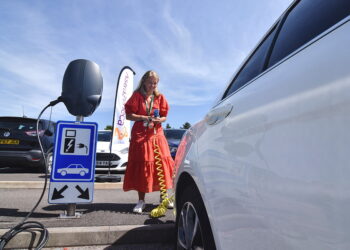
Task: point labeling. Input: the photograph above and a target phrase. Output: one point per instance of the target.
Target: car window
(104, 135)
(25, 126)
(20, 125)
(174, 134)
(254, 66)
(306, 20)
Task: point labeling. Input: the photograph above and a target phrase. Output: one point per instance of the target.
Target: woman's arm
(135, 117)
(159, 119)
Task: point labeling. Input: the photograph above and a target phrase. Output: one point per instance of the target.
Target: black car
(173, 137)
(19, 146)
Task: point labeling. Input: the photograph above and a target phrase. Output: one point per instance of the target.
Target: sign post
(73, 166)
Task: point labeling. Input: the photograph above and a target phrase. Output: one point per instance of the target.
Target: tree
(167, 126)
(186, 125)
(108, 127)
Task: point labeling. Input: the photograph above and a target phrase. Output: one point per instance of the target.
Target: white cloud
(195, 58)
(181, 58)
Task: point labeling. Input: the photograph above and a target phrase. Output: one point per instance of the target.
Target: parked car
(73, 169)
(19, 146)
(173, 137)
(116, 160)
(268, 166)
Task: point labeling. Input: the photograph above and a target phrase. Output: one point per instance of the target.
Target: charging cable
(23, 225)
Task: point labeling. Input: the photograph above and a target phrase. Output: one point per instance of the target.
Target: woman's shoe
(139, 207)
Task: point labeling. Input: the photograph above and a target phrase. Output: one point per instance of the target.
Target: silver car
(268, 167)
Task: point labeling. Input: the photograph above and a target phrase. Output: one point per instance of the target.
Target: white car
(73, 169)
(269, 165)
(116, 160)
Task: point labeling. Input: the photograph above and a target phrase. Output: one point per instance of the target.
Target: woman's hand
(136, 118)
(157, 119)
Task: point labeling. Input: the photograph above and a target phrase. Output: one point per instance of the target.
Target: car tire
(63, 173)
(193, 229)
(82, 173)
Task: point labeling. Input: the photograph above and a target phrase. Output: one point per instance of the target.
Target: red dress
(141, 172)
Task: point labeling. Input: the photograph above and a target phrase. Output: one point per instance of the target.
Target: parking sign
(73, 166)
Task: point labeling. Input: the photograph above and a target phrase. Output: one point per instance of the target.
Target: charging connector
(58, 100)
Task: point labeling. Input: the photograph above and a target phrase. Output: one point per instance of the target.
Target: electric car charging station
(74, 159)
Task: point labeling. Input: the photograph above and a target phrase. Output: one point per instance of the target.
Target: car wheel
(192, 223)
(82, 173)
(63, 173)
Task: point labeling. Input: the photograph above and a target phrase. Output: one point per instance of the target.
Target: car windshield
(174, 133)
(19, 125)
(104, 135)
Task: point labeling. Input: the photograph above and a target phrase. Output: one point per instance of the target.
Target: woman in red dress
(141, 172)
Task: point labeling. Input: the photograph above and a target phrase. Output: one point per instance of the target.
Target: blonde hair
(147, 75)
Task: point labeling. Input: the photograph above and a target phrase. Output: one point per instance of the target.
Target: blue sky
(194, 45)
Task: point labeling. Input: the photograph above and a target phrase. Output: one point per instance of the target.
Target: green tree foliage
(108, 127)
(186, 125)
(167, 125)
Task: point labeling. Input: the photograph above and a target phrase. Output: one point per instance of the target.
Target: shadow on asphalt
(157, 221)
(12, 212)
(166, 238)
(54, 210)
(141, 247)
(122, 208)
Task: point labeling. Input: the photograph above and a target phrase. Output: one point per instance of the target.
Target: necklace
(148, 110)
(150, 106)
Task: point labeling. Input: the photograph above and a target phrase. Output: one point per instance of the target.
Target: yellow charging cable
(163, 206)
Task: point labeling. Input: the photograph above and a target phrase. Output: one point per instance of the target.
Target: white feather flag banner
(121, 126)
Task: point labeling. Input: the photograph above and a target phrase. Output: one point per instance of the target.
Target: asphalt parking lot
(109, 215)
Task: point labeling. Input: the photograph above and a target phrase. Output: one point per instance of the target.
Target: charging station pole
(71, 207)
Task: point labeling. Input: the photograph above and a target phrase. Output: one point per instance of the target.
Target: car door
(274, 152)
